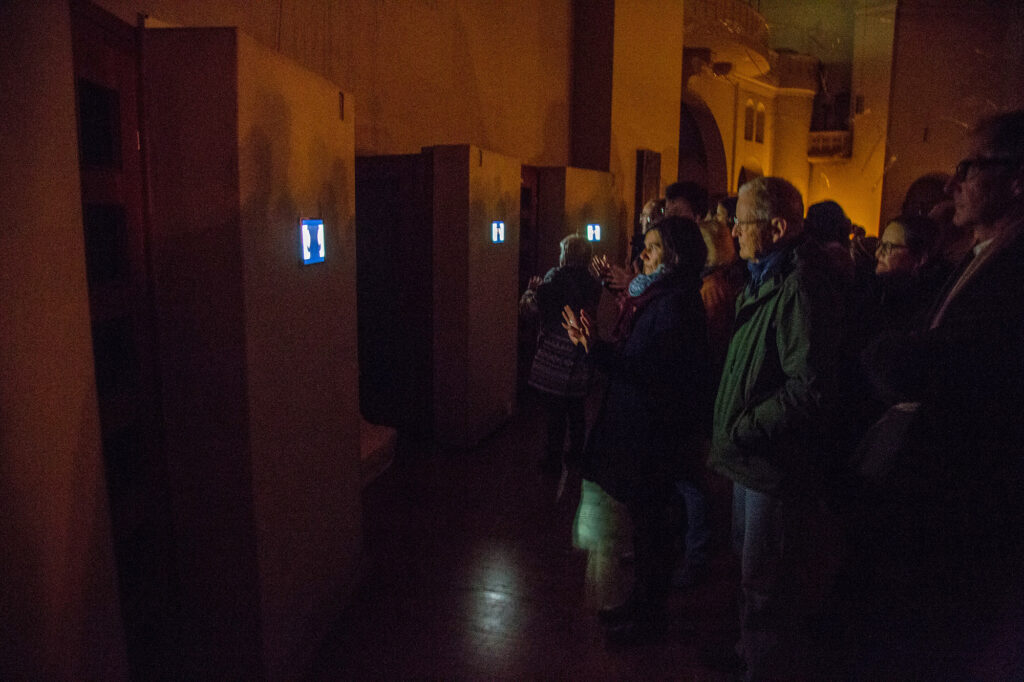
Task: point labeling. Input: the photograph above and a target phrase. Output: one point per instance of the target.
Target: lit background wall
(945, 77)
(856, 183)
(424, 73)
(646, 68)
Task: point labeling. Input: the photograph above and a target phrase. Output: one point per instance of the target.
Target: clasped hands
(578, 328)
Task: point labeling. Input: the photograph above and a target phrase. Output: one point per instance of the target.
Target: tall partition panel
(438, 266)
(576, 201)
(251, 166)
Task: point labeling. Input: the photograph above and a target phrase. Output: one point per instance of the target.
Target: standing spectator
(959, 472)
(771, 426)
(827, 224)
(908, 271)
(723, 278)
(686, 200)
(650, 424)
(559, 371)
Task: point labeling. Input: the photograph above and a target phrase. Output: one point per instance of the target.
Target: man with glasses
(771, 427)
(959, 476)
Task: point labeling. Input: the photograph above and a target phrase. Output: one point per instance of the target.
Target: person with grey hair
(560, 373)
(771, 429)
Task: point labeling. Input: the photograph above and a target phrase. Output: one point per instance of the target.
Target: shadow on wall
(556, 132)
(269, 152)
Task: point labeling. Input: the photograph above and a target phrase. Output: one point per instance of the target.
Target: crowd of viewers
(862, 395)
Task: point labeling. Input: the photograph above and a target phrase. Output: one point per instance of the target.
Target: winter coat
(776, 398)
(558, 367)
(656, 403)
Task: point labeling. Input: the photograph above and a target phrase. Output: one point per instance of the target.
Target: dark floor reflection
(476, 569)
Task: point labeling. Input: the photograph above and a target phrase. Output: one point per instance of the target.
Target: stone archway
(750, 169)
(701, 150)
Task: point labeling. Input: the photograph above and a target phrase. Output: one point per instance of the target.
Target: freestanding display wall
(258, 351)
(570, 200)
(439, 249)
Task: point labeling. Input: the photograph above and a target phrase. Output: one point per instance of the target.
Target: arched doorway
(750, 169)
(701, 151)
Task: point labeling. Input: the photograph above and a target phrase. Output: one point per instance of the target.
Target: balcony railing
(830, 144)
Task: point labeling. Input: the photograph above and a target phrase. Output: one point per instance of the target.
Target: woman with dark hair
(560, 373)
(654, 414)
(909, 274)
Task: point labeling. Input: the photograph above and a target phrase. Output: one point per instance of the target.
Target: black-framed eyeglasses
(965, 166)
(885, 248)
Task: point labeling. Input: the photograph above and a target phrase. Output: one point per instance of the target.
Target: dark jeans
(698, 530)
(789, 559)
(564, 414)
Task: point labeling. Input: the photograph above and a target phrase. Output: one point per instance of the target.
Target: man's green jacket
(776, 401)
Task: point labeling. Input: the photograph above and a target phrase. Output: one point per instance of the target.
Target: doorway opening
(106, 69)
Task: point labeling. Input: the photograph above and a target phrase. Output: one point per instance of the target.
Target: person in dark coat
(958, 474)
(654, 413)
(909, 273)
(560, 372)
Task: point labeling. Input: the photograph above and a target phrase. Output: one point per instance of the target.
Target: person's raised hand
(618, 277)
(534, 282)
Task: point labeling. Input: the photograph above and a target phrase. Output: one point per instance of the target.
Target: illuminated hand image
(578, 328)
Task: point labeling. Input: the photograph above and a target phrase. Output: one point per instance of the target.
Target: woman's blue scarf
(640, 283)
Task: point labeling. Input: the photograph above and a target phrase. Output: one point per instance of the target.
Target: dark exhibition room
(512, 339)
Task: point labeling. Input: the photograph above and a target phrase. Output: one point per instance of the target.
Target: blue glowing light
(498, 231)
(593, 232)
(311, 234)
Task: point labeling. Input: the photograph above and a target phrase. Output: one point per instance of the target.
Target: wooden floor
(477, 570)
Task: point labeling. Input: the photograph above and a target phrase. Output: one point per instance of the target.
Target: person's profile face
(892, 253)
(750, 231)
(722, 215)
(652, 253)
(981, 186)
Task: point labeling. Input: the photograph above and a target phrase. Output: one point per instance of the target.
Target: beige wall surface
(425, 72)
(259, 353)
(296, 158)
(450, 205)
(647, 71)
(856, 183)
(589, 197)
(494, 182)
(191, 112)
(475, 297)
(720, 94)
(788, 121)
(570, 198)
(59, 592)
(946, 77)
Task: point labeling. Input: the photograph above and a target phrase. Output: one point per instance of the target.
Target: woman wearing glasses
(908, 271)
